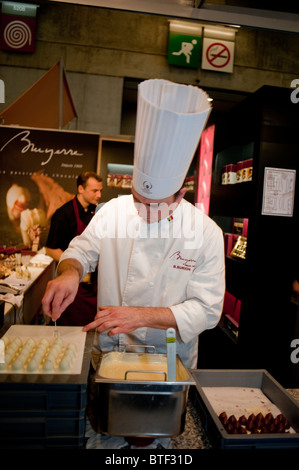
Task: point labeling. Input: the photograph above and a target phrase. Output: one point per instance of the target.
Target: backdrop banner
(38, 173)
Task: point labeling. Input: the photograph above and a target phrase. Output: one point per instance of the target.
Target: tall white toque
(170, 120)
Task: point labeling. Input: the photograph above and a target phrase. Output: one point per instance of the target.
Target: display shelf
(115, 150)
(262, 127)
(227, 330)
(231, 155)
(236, 277)
(235, 200)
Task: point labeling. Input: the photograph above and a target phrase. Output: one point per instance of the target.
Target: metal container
(142, 408)
(245, 378)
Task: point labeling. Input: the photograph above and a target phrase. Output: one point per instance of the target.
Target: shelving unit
(119, 150)
(263, 127)
(114, 149)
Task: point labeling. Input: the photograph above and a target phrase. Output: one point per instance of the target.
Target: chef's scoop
(171, 354)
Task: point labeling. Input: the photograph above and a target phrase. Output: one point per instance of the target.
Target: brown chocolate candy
(280, 428)
(287, 423)
(223, 416)
(243, 420)
(229, 428)
(269, 418)
(232, 420)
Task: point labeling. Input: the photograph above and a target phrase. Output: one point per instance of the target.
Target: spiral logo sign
(17, 34)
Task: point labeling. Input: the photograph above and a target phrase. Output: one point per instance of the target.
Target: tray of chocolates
(245, 409)
(41, 349)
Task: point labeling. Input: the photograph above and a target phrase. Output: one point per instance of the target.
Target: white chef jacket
(176, 263)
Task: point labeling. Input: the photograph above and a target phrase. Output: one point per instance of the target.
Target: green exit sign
(184, 50)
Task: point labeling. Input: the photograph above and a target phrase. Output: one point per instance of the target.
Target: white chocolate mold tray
(36, 349)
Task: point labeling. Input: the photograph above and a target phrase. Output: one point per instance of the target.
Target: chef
(160, 260)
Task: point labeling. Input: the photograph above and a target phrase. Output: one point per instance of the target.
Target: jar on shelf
(239, 172)
(244, 171)
(224, 175)
(231, 173)
(249, 166)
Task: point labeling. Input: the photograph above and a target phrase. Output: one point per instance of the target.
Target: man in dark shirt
(67, 222)
(64, 224)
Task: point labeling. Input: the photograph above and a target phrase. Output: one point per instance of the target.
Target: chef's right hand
(60, 293)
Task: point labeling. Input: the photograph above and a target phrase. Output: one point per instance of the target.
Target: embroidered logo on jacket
(182, 263)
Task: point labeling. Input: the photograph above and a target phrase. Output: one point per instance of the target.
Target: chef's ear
(180, 194)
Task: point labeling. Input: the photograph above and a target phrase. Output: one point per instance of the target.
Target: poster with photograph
(38, 173)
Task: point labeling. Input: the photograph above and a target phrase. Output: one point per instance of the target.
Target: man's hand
(118, 320)
(61, 292)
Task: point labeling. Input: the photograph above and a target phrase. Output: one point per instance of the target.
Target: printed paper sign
(279, 192)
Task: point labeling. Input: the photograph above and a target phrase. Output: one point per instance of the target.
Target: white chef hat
(170, 120)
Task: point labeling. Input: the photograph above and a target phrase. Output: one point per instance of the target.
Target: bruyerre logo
(2, 92)
(295, 93)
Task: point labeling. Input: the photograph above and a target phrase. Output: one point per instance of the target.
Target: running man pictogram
(186, 49)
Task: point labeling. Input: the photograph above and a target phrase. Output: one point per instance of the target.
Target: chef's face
(153, 210)
(92, 192)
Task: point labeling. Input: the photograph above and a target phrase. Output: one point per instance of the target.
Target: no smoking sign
(218, 55)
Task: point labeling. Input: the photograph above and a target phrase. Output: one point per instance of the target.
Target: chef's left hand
(116, 319)
(122, 319)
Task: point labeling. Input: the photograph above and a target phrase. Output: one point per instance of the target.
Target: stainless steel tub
(142, 408)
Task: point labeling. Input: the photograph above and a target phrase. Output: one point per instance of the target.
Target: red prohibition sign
(221, 50)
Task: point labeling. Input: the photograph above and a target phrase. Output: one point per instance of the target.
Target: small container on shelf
(224, 175)
(239, 249)
(249, 166)
(231, 173)
(239, 172)
(244, 171)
